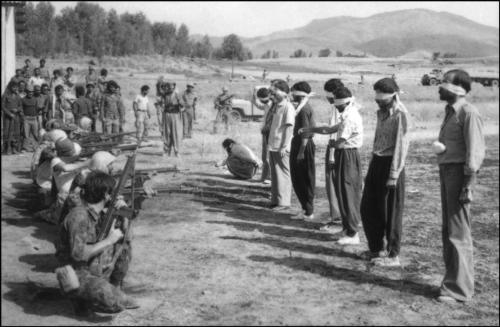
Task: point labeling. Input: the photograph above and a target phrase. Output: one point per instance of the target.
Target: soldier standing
(112, 110)
(189, 98)
(223, 103)
(170, 106)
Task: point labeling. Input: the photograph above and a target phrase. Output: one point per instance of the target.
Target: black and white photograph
(239, 163)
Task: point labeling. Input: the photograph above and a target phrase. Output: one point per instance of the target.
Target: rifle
(131, 213)
(98, 137)
(110, 146)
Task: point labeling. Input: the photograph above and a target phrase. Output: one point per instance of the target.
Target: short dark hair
(342, 93)
(227, 142)
(144, 88)
(45, 85)
(302, 86)
(21, 81)
(263, 92)
(112, 84)
(19, 70)
(79, 90)
(104, 72)
(42, 60)
(96, 186)
(36, 68)
(12, 84)
(69, 68)
(59, 87)
(90, 84)
(56, 72)
(27, 59)
(281, 85)
(332, 84)
(386, 85)
(460, 78)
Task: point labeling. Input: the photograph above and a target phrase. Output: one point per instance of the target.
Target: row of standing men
(288, 153)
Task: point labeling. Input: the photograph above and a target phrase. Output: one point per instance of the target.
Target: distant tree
(299, 54)
(182, 45)
(266, 55)
(339, 53)
(232, 48)
(435, 56)
(324, 52)
(41, 35)
(310, 54)
(203, 49)
(450, 55)
(276, 54)
(163, 37)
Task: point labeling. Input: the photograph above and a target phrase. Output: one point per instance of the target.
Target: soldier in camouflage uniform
(92, 260)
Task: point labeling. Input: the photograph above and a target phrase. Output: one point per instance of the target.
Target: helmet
(100, 161)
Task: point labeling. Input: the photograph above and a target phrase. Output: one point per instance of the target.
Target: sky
(250, 19)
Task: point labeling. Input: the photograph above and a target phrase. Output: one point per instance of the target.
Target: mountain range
(389, 34)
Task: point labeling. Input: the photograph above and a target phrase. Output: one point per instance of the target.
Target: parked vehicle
(435, 77)
(244, 110)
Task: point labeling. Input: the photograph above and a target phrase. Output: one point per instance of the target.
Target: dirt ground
(208, 252)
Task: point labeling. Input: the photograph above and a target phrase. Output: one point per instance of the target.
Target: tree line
(87, 29)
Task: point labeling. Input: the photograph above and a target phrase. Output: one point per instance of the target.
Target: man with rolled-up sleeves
(459, 158)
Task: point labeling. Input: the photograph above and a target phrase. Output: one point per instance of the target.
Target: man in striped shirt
(382, 203)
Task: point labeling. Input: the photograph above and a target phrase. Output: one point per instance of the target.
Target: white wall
(8, 46)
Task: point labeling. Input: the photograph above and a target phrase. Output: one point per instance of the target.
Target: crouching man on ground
(97, 285)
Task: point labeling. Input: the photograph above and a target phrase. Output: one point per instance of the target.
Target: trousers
(31, 126)
(303, 174)
(265, 158)
(348, 185)
(187, 121)
(330, 186)
(458, 281)
(141, 124)
(281, 184)
(172, 132)
(382, 207)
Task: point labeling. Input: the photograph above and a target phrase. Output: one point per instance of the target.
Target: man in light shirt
(36, 79)
(142, 113)
(279, 144)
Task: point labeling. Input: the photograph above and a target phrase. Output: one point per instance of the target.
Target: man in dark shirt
(462, 138)
(11, 109)
(302, 165)
(93, 95)
(30, 120)
(112, 110)
(99, 277)
(82, 107)
(42, 102)
(18, 77)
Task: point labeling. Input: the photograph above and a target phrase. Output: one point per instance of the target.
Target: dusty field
(209, 252)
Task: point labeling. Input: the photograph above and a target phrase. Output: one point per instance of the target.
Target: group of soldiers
(80, 190)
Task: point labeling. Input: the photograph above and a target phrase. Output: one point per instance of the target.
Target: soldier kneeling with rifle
(94, 265)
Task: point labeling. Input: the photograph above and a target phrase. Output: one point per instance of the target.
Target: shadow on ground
(43, 301)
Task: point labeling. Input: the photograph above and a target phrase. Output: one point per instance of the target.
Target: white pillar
(8, 46)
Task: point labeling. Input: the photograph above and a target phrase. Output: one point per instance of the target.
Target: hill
(387, 34)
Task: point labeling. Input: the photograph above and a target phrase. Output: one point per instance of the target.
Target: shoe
(331, 228)
(129, 303)
(349, 240)
(386, 262)
(309, 218)
(281, 208)
(370, 256)
(267, 182)
(272, 206)
(446, 299)
(298, 216)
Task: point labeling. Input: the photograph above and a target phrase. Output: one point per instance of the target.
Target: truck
(245, 110)
(435, 77)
